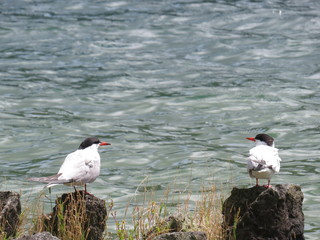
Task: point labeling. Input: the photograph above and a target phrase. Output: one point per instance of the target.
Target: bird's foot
(87, 193)
(267, 186)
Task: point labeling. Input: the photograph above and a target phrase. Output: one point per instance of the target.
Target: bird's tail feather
(51, 180)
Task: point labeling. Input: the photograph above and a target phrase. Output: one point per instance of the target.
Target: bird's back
(265, 156)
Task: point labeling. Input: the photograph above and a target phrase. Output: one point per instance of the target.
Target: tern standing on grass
(79, 168)
(264, 160)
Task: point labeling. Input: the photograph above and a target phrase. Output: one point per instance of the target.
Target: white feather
(263, 161)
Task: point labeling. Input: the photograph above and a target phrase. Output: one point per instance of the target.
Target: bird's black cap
(88, 142)
(265, 138)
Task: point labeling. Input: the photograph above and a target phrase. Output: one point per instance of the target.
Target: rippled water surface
(174, 86)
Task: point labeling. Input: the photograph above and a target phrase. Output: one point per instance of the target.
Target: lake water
(174, 86)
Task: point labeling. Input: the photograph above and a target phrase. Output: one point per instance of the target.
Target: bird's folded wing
(75, 166)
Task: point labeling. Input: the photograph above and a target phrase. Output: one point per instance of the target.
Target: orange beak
(104, 143)
(251, 139)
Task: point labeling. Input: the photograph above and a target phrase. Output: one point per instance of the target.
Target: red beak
(104, 143)
(251, 139)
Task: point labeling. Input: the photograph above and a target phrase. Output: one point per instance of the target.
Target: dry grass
(143, 218)
(36, 209)
(153, 218)
(208, 214)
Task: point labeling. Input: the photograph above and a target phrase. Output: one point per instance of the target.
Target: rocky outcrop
(182, 236)
(80, 214)
(258, 213)
(39, 236)
(10, 210)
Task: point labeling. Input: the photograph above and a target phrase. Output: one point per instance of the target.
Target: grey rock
(258, 213)
(182, 236)
(39, 236)
(10, 210)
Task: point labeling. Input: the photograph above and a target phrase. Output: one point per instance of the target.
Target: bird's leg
(85, 191)
(75, 188)
(257, 182)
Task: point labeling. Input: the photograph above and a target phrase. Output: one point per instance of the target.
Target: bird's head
(92, 141)
(262, 139)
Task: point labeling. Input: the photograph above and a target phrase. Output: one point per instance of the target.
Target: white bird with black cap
(264, 160)
(79, 167)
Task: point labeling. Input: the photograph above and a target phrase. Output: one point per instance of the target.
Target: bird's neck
(261, 143)
(93, 147)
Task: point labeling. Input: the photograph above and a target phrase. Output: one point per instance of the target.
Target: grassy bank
(141, 220)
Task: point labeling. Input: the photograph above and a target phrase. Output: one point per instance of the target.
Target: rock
(258, 213)
(173, 223)
(170, 224)
(80, 214)
(182, 236)
(10, 210)
(39, 236)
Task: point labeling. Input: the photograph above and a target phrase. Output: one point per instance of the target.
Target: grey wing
(51, 179)
(46, 179)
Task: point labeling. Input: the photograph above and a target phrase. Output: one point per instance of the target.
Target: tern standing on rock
(264, 160)
(79, 168)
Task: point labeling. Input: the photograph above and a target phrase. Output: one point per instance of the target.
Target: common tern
(264, 160)
(79, 167)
